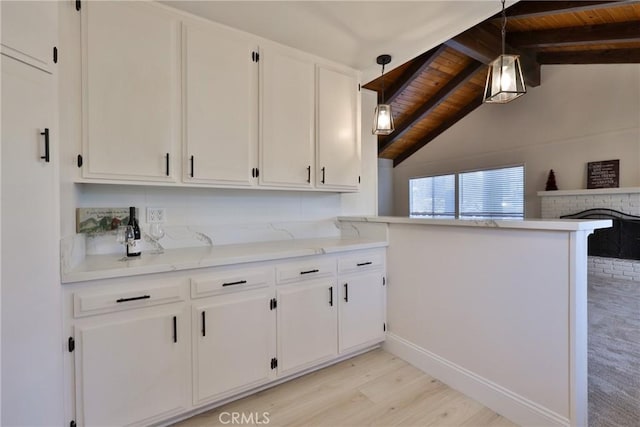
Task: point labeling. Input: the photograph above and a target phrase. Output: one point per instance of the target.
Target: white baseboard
(505, 402)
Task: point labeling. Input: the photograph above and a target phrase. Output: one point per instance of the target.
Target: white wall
(385, 187)
(580, 113)
(189, 206)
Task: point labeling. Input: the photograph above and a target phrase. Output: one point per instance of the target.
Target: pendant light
(383, 118)
(504, 79)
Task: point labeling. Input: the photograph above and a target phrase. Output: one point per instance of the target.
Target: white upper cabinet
(221, 106)
(338, 165)
(287, 119)
(29, 31)
(131, 91)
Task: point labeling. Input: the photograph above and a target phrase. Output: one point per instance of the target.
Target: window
(433, 197)
(491, 193)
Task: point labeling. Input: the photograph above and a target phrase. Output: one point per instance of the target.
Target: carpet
(614, 352)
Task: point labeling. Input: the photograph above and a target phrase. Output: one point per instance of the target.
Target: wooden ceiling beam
(437, 131)
(484, 43)
(535, 9)
(607, 56)
(589, 34)
(438, 98)
(414, 70)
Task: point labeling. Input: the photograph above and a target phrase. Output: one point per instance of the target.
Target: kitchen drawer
(361, 261)
(90, 303)
(225, 281)
(307, 269)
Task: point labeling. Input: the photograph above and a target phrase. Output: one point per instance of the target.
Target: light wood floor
(373, 389)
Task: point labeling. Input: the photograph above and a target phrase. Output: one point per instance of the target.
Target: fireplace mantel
(595, 191)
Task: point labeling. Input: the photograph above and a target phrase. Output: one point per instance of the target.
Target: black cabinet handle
(331, 296)
(309, 174)
(166, 157)
(133, 298)
(204, 324)
(239, 282)
(322, 180)
(310, 271)
(346, 292)
(175, 329)
(360, 264)
(46, 145)
(191, 161)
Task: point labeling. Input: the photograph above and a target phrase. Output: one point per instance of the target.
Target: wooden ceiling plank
(414, 70)
(431, 104)
(590, 34)
(437, 131)
(608, 56)
(537, 9)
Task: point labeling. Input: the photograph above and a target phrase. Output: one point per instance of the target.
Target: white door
(31, 293)
(233, 344)
(338, 130)
(287, 119)
(307, 324)
(132, 367)
(221, 106)
(131, 91)
(361, 298)
(29, 31)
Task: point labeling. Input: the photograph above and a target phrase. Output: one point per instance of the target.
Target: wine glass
(156, 232)
(125, 236)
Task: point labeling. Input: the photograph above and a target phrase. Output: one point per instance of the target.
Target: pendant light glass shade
(382, 116)
(382, 120)
(504, 80)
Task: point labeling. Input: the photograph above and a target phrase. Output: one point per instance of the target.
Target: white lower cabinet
(307, 324)
(233, 344)
(132, 367)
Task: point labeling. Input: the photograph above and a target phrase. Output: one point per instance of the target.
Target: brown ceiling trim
(536, 9)
(589, 34)
(608, 56)
(437, 99)
(415, 69)
(437, 131)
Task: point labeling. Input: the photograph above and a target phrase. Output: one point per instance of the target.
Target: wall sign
(603, 174)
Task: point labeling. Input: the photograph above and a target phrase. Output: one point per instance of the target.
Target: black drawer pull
(309, 174)
(46, 157)
(191, 160)
(204, 324)
(167, 163)
(322, 180)
(360, 264)
(346, 292)
(175, 329)
(310, 271)
(134, 298)
(239, 282)
(331, 296)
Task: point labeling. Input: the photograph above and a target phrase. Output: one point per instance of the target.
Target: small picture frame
(603, 174)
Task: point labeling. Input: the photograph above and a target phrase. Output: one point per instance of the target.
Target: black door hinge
(273, 304)
(255, 56)
(72, 423)
(71, 344)
(78, 5)
(55, 55)
(359, 87)
(79, 160)
(274, 363)
(384, 327)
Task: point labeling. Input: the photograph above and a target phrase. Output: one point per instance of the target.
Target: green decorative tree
(551, 182)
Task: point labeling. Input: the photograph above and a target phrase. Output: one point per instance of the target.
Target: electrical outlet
(156, 216)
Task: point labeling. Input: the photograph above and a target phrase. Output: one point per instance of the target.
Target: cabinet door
(287, 119)
(221, 106)
(131, 91)
(132, 367)
(31, 293)
(362, 306)
(233, 344)
(307, 324)
(29, 31)
(338, 130)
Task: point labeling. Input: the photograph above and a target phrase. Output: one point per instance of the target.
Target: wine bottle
(134, 249)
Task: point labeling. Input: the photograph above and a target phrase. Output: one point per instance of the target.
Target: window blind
(433, 197)
(494, 193)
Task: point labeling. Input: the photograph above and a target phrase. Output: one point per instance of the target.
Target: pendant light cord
(504, 27)
(383, 100)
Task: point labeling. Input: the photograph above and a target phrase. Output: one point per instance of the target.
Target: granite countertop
(523, 224)
(95, 267)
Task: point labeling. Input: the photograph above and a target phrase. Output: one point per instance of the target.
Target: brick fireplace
(556, 204)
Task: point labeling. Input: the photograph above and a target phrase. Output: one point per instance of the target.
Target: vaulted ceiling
(433, 91)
